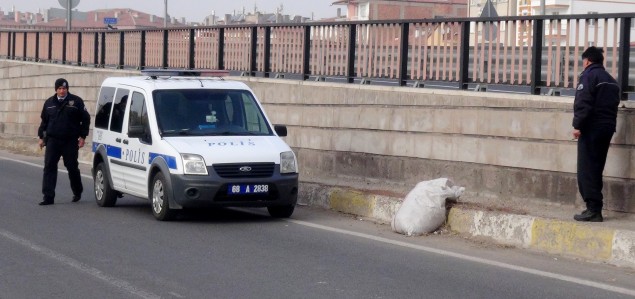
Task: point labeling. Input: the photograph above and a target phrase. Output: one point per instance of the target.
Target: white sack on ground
(423, 210)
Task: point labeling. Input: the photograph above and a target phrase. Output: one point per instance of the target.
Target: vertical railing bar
(191, 49)
(625, 50)
(306, 52)
(96, 49)
(536, 56)
(13, 45)
(142, 51)
(267, 52)
(166, 40)
(403, 53)
(79, 48)
(122, 49)
(352, 32)
(9, 36)
(24, 44)
(64, 37)
(253, 47)
(464, 55)
(103, 49)
(50, 46)
(37, 46)
(221, 48)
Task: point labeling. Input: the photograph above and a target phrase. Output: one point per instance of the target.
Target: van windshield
(205, 112)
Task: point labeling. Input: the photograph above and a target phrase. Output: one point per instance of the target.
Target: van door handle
(118, 140)
(125, 141)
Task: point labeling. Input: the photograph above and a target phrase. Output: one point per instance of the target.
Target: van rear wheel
(160, 195)
(105, 196)
(281, 211)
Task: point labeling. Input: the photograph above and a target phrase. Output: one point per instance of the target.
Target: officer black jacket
(596, 99)
(68, 119)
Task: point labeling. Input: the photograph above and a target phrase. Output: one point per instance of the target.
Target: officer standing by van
(63, 130)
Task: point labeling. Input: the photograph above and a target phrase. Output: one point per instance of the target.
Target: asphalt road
(79, 250)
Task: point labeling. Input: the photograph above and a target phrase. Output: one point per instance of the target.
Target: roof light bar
(154, 73)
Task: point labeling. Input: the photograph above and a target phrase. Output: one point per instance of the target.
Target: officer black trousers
(68, 150)
(593, 146)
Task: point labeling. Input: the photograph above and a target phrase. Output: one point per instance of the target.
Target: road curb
(589, 241)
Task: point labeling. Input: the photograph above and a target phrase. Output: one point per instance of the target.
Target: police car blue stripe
(168, 159)
(111, 151)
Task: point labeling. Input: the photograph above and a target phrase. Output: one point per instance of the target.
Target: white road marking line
(40, 166)
(94, 272)
(566, 278)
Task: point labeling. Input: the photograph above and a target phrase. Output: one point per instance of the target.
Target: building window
(362, 13)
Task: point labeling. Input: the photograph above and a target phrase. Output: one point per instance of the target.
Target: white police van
(182, 140)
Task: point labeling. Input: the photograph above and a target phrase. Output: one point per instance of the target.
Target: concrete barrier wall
(496, 145)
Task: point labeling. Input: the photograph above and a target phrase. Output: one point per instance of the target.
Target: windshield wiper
(182, 132)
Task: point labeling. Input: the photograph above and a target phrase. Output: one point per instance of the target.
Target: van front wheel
(160, 195)
(105, 196)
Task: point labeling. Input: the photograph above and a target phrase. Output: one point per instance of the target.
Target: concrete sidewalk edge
(567, 238)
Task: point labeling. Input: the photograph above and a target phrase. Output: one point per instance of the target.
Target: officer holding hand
(64, 126)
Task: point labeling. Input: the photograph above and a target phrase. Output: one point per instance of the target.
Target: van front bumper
(191, 191)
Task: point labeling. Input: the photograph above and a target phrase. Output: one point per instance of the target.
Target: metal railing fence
(460, 53)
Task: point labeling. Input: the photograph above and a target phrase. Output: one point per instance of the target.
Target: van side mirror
(281, 130)
(136, 132)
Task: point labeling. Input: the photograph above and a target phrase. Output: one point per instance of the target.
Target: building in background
(556, 32)
(56, 18)
(365, 10)
(254, 17)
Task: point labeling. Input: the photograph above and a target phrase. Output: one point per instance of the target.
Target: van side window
(119, 109)
(139, 116)
(255, 119)
(104, 107)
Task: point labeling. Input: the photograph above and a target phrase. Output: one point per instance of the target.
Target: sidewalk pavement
(529, 224)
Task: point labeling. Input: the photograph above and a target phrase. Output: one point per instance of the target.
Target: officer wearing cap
(594, 121)
(64, 126)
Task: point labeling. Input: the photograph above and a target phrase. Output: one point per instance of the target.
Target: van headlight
(288, 163)
(193, 164)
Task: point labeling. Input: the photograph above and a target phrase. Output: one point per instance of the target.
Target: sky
(192, 10)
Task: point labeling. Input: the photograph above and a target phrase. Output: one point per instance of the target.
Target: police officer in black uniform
(63, 130)
(594, 120)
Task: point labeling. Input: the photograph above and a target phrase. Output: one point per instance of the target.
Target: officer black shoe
(76, 198)
(46, 202)
(589, 216)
